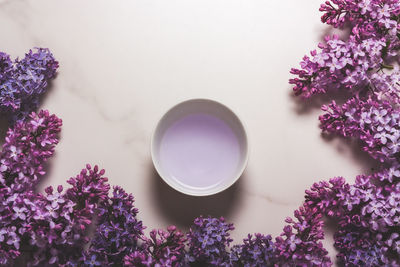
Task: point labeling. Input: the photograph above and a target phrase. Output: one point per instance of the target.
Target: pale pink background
(124, 63)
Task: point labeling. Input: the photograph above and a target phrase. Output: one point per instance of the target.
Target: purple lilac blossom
(300, 243)
(365, 65)
(163, 248)
(50, 228)
(209, 239)
(117, 230)
(53, 226)
(358, 63)
(375, 123)
(22, 82)
(28, 145)
(257, 250)
(368, 218)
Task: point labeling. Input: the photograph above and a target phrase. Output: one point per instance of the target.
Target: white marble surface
(124, 63)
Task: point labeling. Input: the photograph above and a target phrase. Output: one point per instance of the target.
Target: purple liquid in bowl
(200, 151)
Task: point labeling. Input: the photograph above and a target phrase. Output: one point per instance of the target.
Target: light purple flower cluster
(369, 210)
(46, 228)
(375, 123)
(300, 243)
(358, 63)
(368, 214)
(59, 220)
(22, 82)
(365, 65)
(27, 147)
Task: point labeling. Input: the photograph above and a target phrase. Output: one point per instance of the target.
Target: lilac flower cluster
(59, 220)
(163, 248)
(118, 230)
(375, 123)
(209, 239)
(366, 66)
(27, 147)
(368, 216)
(300, 243)
(22, 82)
(47, 228)
(369, 210)
(50, 228)
(257, 250)
(358, 63)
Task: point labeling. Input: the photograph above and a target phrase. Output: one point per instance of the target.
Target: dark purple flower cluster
(163, 248)
(22, 82)
(118, 230)
(209, 239)
(257, 250)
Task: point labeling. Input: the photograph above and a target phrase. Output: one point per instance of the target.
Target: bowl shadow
(182, 209)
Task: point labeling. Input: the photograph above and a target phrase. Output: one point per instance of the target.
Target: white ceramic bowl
(199, 147)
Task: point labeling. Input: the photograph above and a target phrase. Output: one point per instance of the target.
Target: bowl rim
(186, 190)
